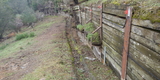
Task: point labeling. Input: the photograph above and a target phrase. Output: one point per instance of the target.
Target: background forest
(16, 13)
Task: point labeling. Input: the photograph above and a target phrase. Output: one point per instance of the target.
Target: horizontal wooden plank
(112, 6)
(113, 62)
(147, 33)
(113, 53)
(146, 23)
(96, 9)
(96, 18)
(96, 12)
(137, 71)
(115, 19)
(136, 56)
(146, 42)
(113, 36)
(96, 23)
(148, 57)
(116, 12)
(112, 24)
(115, 44)
(114, 30)
(117, 59)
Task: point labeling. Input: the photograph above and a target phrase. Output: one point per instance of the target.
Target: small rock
(92, 59)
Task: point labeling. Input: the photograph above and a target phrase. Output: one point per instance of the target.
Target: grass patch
(24, 35)
(31, 34)
(21, 36)
(3, 46)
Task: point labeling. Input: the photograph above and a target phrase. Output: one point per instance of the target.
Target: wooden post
(85, 15)
(91, 13)
(126, 43)
(80, 15)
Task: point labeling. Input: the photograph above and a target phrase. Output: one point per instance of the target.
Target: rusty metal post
(126, 43)
(101, 15)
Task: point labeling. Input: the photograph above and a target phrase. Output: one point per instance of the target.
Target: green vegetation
(143, 9)
(80, 27)
(3, 46)
(32, 34)
(15, 46)
(24, 35)
(89, 28)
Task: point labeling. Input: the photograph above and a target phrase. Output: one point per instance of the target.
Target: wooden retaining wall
(144, 48)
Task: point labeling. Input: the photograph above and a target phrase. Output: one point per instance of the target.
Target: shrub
(89, 27)
(89, 36)
(80, 27)
(21, 36)
(32, 34)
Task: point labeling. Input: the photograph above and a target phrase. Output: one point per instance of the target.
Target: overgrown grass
(24, 35)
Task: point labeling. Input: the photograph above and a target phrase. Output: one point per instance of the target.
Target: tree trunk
(3, 29)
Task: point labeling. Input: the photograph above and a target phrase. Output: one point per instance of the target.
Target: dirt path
(50, 55)
(48, 58)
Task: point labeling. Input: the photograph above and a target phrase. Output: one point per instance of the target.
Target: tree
(18, 6)
(28, 16)
(6, 16)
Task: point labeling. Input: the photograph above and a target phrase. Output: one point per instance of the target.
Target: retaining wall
(144, 47)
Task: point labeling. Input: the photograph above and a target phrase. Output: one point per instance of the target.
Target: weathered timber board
(96, 12)
(113, 36)
(139, 58)
(113, 53)
(117, 59)
(118, 20)
(114, 30)
(137, 71)
(95, 23)
(96, 9)
(114, 11)
(96, 19)
(146, 23)
(150, 44)
(147, 33)
(148, 57)
(111, 24)
(114, 63)
(111, 6)
(115, 42)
